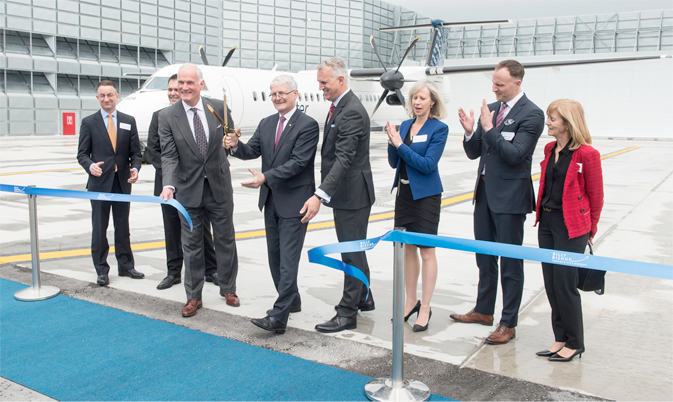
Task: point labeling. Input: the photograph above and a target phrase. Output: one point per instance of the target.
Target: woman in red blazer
(569, 205)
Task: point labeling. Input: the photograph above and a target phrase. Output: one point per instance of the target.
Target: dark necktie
(501, 114)
(279, 132)
(200, 134)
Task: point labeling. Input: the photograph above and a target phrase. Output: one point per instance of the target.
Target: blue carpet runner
(69, 349)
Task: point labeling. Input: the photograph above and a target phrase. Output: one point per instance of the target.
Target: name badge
(420, 138)
(124, 126)
(508, 135)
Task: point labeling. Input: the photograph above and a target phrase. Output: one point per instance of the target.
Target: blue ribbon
(94, 195)
(317, 255)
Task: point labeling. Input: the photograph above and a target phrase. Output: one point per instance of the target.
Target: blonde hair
(572, 114)
(438, 110)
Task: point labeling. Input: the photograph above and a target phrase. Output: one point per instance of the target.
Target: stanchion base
(381, 389)
(36, 294)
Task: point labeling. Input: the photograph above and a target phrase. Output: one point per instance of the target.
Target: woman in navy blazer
(569, 206)
(415, 152)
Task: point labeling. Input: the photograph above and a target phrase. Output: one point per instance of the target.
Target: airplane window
(317, 97)
(306, 97)
(263, 96)
(157, 83)
(323, 97)
(360, 96)
(299, 96)
(254, 96)
(311, 97)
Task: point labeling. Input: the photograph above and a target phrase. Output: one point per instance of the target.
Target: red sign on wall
(68, 123)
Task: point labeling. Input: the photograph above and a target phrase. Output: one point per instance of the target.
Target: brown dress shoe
(473, 317)
(191, 307)
(501, 335)
(232, 299)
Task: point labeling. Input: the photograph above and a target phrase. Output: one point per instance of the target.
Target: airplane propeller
(391, 81)
(202, 53)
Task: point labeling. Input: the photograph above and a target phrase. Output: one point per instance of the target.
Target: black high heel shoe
(418, 328)
(416, 309)
(546, 353)
(557, 358)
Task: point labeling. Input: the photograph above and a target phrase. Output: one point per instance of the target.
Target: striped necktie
(279, 131)
(501, 114)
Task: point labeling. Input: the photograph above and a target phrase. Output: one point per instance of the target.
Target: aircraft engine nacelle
(393, 100)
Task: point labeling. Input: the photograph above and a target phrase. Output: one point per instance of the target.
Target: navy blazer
(509, 188)
(289, 168)
(95, 146)
(421, 157)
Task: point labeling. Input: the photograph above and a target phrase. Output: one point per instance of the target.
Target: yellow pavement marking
(50, 255)
(39, 171)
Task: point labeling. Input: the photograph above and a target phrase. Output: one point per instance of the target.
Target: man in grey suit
(347, 185)
(287, 142)
(504, 140)
(196, 171)
(170, 215)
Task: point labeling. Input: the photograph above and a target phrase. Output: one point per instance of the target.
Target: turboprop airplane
(247, 89)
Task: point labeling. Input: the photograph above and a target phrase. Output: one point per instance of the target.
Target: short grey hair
(199, 73)
(285, 79)
(438, 110)
(338, 65)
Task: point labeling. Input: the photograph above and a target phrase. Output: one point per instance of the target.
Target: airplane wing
(367, 73)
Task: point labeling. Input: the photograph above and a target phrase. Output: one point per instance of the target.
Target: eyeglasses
(279, 94)
(103, 96)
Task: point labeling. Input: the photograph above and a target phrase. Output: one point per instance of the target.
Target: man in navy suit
(504, 140)
(347, 185)
(109, 151)
(287, 142)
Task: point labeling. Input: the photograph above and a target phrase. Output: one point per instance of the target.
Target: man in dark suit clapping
(109, 151)
(504, 140)
(171, 217)
(196, 171)
(287, 142)
(347, 185)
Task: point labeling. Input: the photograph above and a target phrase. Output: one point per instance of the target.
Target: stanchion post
(397, 388)
(37, 291)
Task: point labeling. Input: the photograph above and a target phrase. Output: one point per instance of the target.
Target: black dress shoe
(103, 280)
(558, 358)
(293, 309)
(418, 328)
(167, 282)
(132, 273)
(337, 324)
(270, 324)
(212, 278)
(367, 305)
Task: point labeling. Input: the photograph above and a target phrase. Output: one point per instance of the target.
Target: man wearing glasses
(109, 151)
(287, 142)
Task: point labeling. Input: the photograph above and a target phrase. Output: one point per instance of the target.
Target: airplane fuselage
(247, 93)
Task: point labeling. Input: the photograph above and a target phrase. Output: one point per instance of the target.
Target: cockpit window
(157, 83)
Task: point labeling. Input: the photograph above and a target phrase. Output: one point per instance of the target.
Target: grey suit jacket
(509, 187)
(95, 146)
(345, 169)
(181, 162)
(289, 169)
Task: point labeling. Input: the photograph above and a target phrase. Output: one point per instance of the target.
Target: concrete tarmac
(628, 331)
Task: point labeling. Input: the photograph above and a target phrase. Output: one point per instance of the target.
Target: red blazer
(582, 190)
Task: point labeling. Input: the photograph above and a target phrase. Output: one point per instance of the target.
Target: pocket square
(509, 122)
